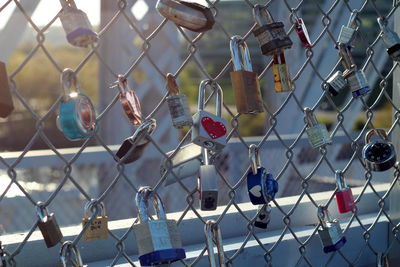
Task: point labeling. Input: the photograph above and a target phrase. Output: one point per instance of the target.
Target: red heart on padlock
(215, 129)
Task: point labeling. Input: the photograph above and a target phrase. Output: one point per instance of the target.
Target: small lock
(271, 35)
(244, 81)
(77, 117)
(48, 226)
(344, 195)
(76, 25)
(177, 104)
(382, 260)
(347, 33)
(158, 240)
(129, 101)
(207, 184)
(302, 32)
(133, 147)
(336, 83)
(209, 130)
(329, 231)
(70, 255)
(213, 236)
(98, 228)
(6, 102)
(185, 163)
(261, 185)
(263, 217)
(378, 155)
(390, 39)
(317, 133)
(189, 15)
(282, 81)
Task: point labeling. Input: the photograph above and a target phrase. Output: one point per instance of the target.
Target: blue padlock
(77, 117)
(329, 231)
(261, 185)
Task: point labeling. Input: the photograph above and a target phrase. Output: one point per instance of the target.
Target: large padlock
(344, 195)
(207, 184)
(184, 163)
(77, 117)
(261, 185)
(134, 146)
(378, 155)
(70, 255)
(244, 81)
(177, 104)
(6, 102)
(329, 231)
(263, 216)
(302, 32)
(347, 33)
(76, 25)
(158, 240)
(129, 101)
(213, 236)
(98, 228)
(390, 39)
(271, 35)
(282, 81)
(317, 133)
(209, 130)
(48, 226)
(336, 83)
(190, 15)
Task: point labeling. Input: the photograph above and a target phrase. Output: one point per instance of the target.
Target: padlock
(390, 39)
(209, 130)
(76, 25)
(158, 240)
(382, 260)
(185, 163)
(6, 102)
(344, 195)
(271, 35)
(177, 104)
(77, 117)
(129, 101)
(329, 231)
(317, 133)
(244, 81)
(189, 15)
(133, 147)
(302, 32)
(336, 83)
(48, 226)
(213, 236)
(70, 255)
(378, 155)
(263, 217)
(98, 228)
(207, 184)
(282, 81)
(347, 33)
(261, 185)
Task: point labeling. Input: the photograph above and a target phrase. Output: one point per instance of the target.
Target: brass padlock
(244, 81)
(48, 226)
(282, 80)
(98, 228)
(6, 103)
(129, 101)
(70, 255)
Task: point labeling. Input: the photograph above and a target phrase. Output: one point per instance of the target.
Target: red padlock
(344, 195)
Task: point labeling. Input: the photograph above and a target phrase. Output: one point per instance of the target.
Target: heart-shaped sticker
(215, 129)
(256, 191)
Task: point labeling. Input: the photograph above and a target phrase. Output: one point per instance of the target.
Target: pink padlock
(344, 195)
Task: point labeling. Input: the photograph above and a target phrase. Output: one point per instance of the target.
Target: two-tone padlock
(129, 101)
(329, 231)
(76, 25)
(158, 240)
(261, 185)
(244, 80)
(344, 195)
(207, 184)
(390, 39)
(6, 102)
(302, 32)
(77, 117)
(70, 255)
(98, 228)
(177, 104)
(282, 81)
(263, 216)
(134, 146)
(209, 130)
(190, 15)
(379, 155)
(347, 33)
(271, 35)
(48, 226)
(213, 236)
(317, 133)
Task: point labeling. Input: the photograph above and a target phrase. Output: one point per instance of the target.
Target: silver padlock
(158, 240)
(329, 231)
(209, 130)
(317, 133)
(185, 163)
(213, 236)
(70, 255)
(336, 83)
(347, 33)
(207, 184)
(390, 39)
(263, 216)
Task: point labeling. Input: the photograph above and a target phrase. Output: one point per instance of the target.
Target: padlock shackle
(218, 97)
(142, 204)
(171, 85)
(254, 156)
(346, 57)
(93, 205)
(240, 54)
(122, 83)
(380, 132)
(310, 117)
(352, 23)
(69, 80)
(145, 129)
(68, 249)
(41, 211)
(206, 156)
(323, 216)
(213, 236)
(261, 15)
(340, 180)
(68, 4)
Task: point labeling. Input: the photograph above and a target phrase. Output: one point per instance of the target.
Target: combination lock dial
(379, 155)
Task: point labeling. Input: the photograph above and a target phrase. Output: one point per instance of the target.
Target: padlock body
(261, 187)
(263, 218)
(6, 102)
(179, 111)
(331, 236)
(208, 187)
(50, 230)
(318, 135)
(97, 230)
(282, 80)
(379, 155)
(346, 35)
(209, 130)
(272, 38)
(358, 83)
(345, 200)
(247, 92)
(392, 42)
(131, 105)
(336, 83)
